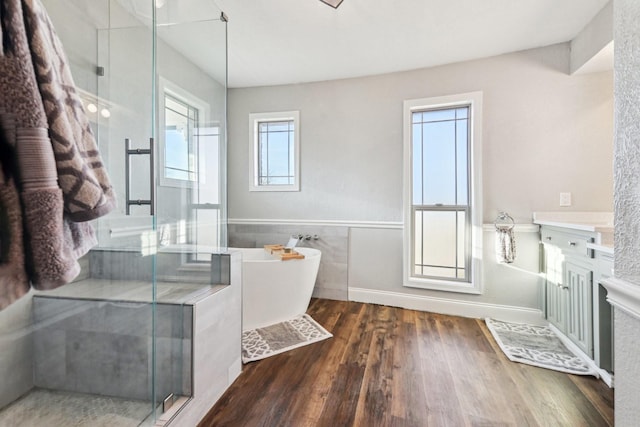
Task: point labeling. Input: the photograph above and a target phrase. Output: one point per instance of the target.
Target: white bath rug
(260, 343)
(537, 346)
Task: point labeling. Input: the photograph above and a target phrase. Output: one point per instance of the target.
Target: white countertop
(596, 222)
(601, 222)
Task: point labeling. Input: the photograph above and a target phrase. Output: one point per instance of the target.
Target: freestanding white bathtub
(273, 290)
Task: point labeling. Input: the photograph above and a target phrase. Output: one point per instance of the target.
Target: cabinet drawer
(568, 242)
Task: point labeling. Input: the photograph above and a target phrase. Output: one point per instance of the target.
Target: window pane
(207, 236)
(418, 241)
(439, 166)
(439, 238)
(448, 273)
(438, 115)
(278, 153)
(462, 244)
(462, 113)
(417, 164)
(280, 180)
(292, 157)
(180, 121)
(279, 126)
(263, 156)
(177, 153)
(208, 165)
(440, 242)
(462, 149)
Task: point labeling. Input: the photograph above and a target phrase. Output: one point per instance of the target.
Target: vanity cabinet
(556, 295)
(579, 300)
(568, 269)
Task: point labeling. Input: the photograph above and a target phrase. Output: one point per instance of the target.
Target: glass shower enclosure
(116, 343)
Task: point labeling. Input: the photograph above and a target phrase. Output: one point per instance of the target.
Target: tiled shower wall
(105, 347)
(333, 241)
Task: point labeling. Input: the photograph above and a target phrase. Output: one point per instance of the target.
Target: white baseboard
(478, 310)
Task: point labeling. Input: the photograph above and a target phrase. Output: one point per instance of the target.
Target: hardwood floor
(389, 366)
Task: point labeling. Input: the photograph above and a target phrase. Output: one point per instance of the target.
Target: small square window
(275, 152)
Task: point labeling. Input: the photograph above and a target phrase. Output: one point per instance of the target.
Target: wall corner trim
(623, 295)
(464, 308)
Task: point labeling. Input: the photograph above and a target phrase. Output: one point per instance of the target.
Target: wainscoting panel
(363, 262)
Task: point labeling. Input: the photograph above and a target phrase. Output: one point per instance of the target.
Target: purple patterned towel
(14, 282)
(59, 173)
(37, 85)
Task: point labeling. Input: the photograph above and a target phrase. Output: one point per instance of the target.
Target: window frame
(254, 159)
(474, 283)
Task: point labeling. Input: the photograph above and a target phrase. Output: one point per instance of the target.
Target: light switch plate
(565, 199)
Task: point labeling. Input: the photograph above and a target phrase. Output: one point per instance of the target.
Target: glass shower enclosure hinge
(167, 403)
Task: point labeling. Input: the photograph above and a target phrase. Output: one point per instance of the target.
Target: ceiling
(275, 42)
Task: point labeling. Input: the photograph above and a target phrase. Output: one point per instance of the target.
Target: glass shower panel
(120, 288)
(157, 327)
(119, 338)
(190, 133)
(191, 76)
(190, 127)
(89, 346)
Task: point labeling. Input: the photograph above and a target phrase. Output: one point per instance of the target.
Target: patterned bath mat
(275, 339)
(537, 346)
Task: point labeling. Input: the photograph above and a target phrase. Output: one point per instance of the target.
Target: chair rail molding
(316, 222)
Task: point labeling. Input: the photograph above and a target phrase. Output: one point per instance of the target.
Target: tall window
(275, 151)
(189, 146)
(443, 221)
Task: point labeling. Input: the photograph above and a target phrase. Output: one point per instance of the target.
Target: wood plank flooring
(389, 366)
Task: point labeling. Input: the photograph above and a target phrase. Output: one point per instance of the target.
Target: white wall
(544, 132)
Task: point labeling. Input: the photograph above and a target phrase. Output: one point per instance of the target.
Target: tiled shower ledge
(132, 291)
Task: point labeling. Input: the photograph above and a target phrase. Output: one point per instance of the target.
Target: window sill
(444, 285)
(274, 188)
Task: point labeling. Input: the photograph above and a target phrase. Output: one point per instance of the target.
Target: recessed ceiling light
(333, 3)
